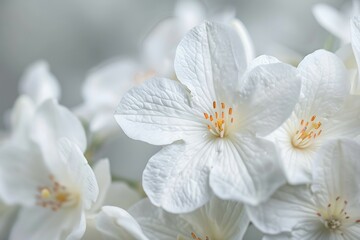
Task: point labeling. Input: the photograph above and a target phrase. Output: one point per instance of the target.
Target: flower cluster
(245, 140)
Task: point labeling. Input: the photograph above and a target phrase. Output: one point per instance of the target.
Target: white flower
(110, 193)
(218, 219)
(335, 21)
(102, 91)
(48, 176)
(212, 131)
(160, 45)
(328, 209)
(325, 111)
(7, 218)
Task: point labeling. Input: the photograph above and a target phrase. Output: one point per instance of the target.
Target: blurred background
(74, 36)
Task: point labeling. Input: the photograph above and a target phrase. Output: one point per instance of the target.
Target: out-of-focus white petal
(177, 177)
(8, 216)
(246, 39)
(158, 112)
(210, 59)
(43, 223)
(39, 84)
(281, 236)
(235, 174)
(116, 223)
(292, 203)
(313, 229)
(79, 174)
(262, 91)
(53, 122)
(324, 84)
(333, 21)
(22, 172)
(103, 179)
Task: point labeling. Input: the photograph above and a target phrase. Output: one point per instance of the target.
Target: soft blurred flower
(213, 127)
(54, 184)
(328, 209)
(218, 219)
(325, 111)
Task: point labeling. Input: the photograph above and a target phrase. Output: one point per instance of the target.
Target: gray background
(76, 35)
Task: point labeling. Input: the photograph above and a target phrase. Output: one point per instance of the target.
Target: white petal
(324, 84)
(313, 229)
(47, 224)
(246, 39)
(346, 122)
(39, 84)
(353, 232)
(106, 84)
(158, 112)
(121, 195)
(177, 178)
(8, 216)
(336, 172)
(190, 12)
(159, 224)
(209, 60)
(220, 218)
(281, 236)
(333, 21)
(27, 162)
(235, 174)
(287, 207)
(116, 223)
(77, 172)
(103, 179)
(262, 91)
(52, 122)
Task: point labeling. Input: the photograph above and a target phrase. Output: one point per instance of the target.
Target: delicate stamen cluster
(334, 216)
(220, 120)
(195, 237)
(307, 133)
(55, 196)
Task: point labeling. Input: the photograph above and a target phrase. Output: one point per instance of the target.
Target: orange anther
(230, 111)
(222, 114)
(214, 104)
(232, 120)
(222, 105)
(313, 118)
(302, 121)
(206, 115)
(216, 115)
(211, 118)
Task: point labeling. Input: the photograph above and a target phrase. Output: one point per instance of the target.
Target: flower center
(335, 216)
(193, 237)
(55, 196)
(220, 120)
(307, 133)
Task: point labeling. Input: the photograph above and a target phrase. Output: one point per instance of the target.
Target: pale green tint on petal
(235, 174)
(158, 112)
(116, 223)
(177, 177)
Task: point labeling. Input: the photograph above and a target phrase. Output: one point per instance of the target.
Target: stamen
(223, 105)
(223, 120)
(206, 115)
(214, 104)
(230, 111)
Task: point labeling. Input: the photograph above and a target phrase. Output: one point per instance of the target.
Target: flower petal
(235, 175)
(210, 58)
(77, 172)
(103, 179)
(324, 84)
(288, 206)
(121, 195)
(280, 236)
(262, 91)
(333, 21)
(158, 112)
(227, 219)
(116, 223)
(313, 229)
(177, 178)
(52, 122)
(39, 84)
(47, 224)
(336, 171)
(31, 173)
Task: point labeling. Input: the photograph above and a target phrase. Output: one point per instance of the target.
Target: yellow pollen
(223, 119)
(306, 133)
(45, 193)
(195, 237)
